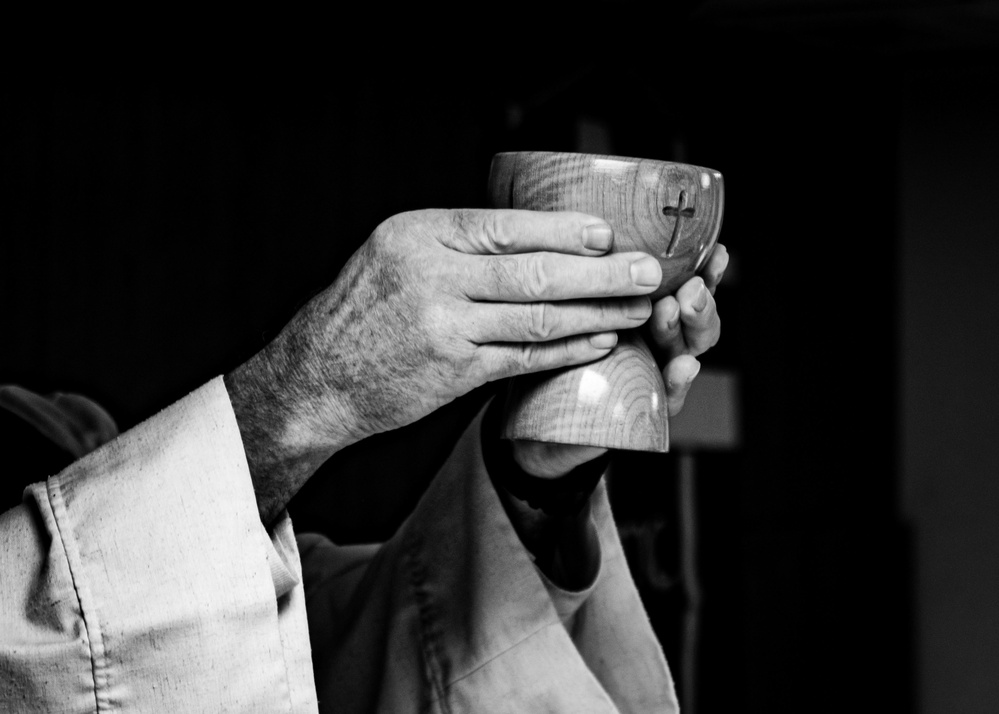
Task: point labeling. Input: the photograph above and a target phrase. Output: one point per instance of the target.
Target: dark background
(157, 228)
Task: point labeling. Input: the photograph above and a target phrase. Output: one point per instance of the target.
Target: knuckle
(497, 237)
(528, 358)
(541, 324)
(536, 278)
(538, 356)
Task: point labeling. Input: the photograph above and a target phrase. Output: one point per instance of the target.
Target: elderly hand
(434, 304)
(682, 327)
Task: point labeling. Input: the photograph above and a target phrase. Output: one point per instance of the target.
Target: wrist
(281, 440)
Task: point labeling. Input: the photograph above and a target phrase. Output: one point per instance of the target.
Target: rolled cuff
(179, 594)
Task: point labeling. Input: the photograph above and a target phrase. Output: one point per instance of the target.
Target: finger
(698, 316)
(552, 460)
(543, 321)
(714, 271)
(509, 360)
(499, 232)
(679, 375)
(665, 328)
(552, 276)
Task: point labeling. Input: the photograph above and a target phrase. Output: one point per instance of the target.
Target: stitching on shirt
(98, 661)
(265, 538)
(429, 632)
(496, 656)
(430, 635)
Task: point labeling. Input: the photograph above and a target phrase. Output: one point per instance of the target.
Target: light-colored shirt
(140, 579)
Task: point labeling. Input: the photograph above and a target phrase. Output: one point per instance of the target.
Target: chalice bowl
(671, 211)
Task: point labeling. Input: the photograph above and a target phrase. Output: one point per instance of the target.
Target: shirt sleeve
(452, 615)
(141, 579)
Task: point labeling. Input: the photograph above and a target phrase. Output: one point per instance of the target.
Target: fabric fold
(148, 556)
(451, 615)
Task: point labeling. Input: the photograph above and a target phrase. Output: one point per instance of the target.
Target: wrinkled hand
(437, 303)
(434, 304)
(682, 327)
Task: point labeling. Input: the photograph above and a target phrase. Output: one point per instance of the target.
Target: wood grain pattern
(668, 210)
(618, 402)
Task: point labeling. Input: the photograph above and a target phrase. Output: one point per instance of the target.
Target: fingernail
(638, 309)
(697, 370)
(646, 272)
(598, 237)
(701, 301)
(674, 317)
(603, 340)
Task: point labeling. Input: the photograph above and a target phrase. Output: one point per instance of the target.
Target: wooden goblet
(670, 211)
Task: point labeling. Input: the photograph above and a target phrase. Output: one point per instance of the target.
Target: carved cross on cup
(679, 211)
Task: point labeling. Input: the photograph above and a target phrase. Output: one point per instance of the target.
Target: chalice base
(618, 402)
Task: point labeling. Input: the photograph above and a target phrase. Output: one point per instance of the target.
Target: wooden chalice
(668, 210)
